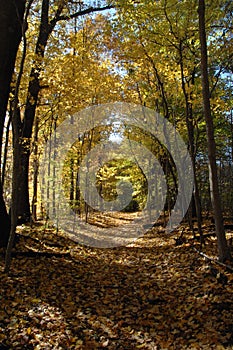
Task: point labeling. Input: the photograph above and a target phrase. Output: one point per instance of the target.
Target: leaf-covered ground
(149, 295)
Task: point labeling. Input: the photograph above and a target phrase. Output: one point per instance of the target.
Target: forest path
(151, 294)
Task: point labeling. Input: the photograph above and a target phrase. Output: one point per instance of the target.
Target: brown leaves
(149, 295)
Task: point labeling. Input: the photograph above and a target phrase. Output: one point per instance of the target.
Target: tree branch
(82, 12)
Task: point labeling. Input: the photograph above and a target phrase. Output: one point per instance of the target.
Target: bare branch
(82, 13)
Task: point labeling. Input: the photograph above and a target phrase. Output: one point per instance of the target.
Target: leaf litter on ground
(150, 294)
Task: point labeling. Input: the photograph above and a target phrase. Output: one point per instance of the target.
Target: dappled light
(116, 175)
(146, 295)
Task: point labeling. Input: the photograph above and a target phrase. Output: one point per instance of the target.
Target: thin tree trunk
(5, 152)
(14, 203)
(35, 171)
(5, 221)
(223, 249)
(189, 123)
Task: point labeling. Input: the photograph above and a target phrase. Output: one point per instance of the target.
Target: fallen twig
(228, 267)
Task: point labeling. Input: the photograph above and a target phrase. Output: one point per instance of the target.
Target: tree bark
(11, 18)
(5, 151)
(35, 170)
(223, 249)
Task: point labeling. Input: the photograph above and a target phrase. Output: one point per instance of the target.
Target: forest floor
(151, 294)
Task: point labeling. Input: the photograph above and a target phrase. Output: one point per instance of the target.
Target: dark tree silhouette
(11, 17)
(223, 249)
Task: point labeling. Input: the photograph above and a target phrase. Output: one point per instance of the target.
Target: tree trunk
(35, 171)
(5, 152)
(11, 17)
(5, 221)
(24, 212)
(23, 207)
(190, 127)
(223, 249)
(15, 192)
